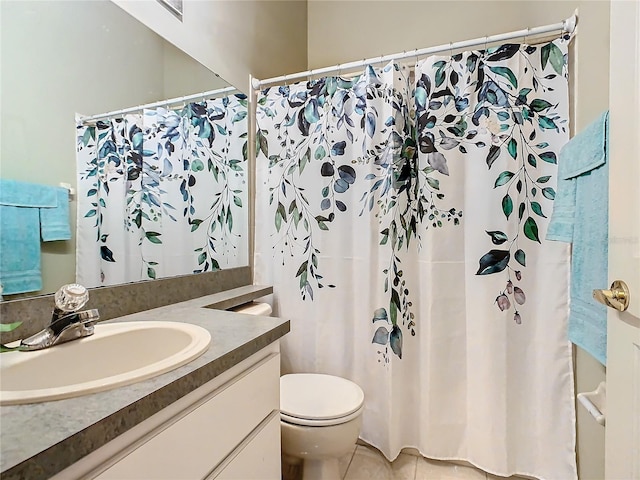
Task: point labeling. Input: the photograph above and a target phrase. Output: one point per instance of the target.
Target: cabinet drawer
(196, 442)
(258, 457)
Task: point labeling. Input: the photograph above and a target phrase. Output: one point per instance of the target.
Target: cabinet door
(190, 447)
(258, 458)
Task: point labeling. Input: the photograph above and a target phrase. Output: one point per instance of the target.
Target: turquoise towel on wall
(22, 194)
(54, 222)
(19, 249)
(581, 217)
(27, 213)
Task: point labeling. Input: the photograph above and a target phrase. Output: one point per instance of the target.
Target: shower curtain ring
(451, 49)
(339, 69)
(486, 40)
(309, 77)
(285, 81)
(526, 35)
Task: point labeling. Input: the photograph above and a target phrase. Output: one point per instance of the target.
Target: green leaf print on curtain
(163, 193)
(394, 140)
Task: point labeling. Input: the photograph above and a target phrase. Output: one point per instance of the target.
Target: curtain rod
(567, 26)
(161, 103)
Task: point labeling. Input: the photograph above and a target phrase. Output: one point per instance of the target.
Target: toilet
(320, 416)
(320, 420)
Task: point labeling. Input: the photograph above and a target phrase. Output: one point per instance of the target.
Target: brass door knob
(617, 297)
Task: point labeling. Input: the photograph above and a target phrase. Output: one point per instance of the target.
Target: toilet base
(319, 469)
(325, 469)
(291, 467)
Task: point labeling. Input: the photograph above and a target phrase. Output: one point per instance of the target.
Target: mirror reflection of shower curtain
(401, 217)
(162, 193)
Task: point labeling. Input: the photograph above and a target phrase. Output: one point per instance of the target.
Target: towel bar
(595, 402)
(72, 191)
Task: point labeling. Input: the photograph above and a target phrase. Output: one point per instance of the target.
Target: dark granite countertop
(41, 439)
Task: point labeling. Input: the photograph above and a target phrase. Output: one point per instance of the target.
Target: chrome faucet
(67, 323)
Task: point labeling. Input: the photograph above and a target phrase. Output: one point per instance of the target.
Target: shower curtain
(162, 193)
(401, 218)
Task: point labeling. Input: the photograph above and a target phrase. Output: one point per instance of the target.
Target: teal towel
(54, 222)
(581, 216)
(22, 194)
(26, 210)
(19, 249)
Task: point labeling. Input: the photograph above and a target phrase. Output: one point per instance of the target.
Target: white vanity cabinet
(227, 429)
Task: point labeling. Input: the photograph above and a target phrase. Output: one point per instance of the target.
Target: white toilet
(320, 416)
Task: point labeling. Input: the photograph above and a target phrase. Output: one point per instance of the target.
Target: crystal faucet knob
(72, 297)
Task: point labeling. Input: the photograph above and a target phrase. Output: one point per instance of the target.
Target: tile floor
(367, 463)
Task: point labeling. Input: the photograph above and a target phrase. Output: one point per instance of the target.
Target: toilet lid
(315, 396)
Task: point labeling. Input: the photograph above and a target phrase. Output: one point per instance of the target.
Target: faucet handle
(89, 316)
(72, 297)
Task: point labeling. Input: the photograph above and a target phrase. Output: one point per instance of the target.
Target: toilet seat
(313, 399)
(305, 422)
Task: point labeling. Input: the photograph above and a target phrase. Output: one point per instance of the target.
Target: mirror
(66, 57)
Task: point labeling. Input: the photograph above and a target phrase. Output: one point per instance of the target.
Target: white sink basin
(116, 354)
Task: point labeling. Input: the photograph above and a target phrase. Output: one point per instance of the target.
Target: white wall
(234, 38)
(343, 31)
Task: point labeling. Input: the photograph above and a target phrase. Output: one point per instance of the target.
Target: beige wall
(68, 56)
(233, 38)
(182, 75)
(343, 31)
(53, 67)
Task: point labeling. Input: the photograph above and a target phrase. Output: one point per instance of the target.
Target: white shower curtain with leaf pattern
(401, 218)
(162, 193)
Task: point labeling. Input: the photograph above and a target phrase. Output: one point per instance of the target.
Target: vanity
(214, 417)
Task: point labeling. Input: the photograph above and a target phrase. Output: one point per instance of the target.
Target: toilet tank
(253, 308)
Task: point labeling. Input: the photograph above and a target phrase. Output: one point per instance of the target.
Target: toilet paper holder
(596, 402)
